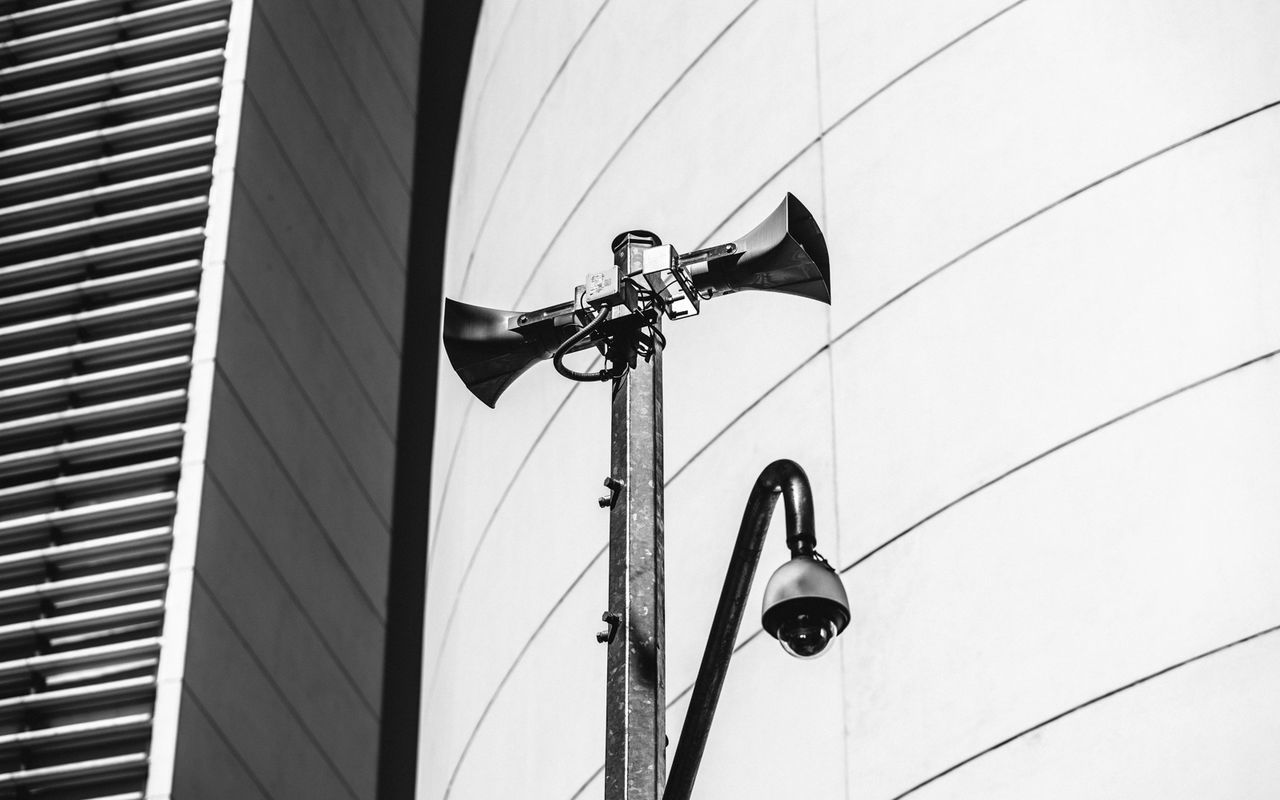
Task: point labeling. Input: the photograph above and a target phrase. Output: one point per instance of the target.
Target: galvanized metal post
(635, 743)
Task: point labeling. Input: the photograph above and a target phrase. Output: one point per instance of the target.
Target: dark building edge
(448, 34)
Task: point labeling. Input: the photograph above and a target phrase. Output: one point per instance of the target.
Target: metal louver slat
(64, 557)
(112, 226)
(81, 35)
(134, 51)
(97, 291)
(100, 727)
(55, 15)
(86, 387)
(60, 629)
(101, 172)
(61, 590)
(58, 14)
(129, 136)
(48, 16)
(88, 673)
(114, 692)
(56, 425)
(84, 453)
(126, 731)
(128, 511)
(78, 769)
(147, 189)
(108, 110)
(87, 486)
(77, 631)
(132, 407)
(88, 655)
(136, 313)
(44, 98)
(76, 658)
(145, 250)
(56, 362)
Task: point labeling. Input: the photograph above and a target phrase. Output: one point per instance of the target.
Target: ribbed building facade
(1039, 414)
(106, 156)
(203, 238)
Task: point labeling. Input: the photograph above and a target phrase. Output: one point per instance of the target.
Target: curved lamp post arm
(782, 477)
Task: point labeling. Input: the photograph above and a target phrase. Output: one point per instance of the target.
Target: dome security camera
(805, 605)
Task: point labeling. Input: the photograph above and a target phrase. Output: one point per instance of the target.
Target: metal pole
(783, 477)
(635, 739)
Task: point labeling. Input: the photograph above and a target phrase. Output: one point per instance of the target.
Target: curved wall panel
(1038, 414)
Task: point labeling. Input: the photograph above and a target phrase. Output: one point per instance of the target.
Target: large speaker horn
(785, 253)
(488, 352)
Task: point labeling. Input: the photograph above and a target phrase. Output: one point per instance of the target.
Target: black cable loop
(557, 360)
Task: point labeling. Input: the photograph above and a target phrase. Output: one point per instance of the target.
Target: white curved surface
(1105, 555)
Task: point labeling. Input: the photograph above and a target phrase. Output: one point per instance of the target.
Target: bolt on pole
(635, 743)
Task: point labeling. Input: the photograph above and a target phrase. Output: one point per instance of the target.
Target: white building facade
(1039, 414)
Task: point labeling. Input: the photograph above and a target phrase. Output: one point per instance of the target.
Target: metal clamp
(615, 488)
(606, 637)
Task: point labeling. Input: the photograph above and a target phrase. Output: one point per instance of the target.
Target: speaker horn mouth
(786, 253)
(488, 352)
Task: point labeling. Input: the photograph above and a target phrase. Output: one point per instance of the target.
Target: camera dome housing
(805, 606)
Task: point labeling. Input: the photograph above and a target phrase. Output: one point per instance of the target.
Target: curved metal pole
(783, 477)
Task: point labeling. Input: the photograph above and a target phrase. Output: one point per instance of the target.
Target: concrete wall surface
(1038, 414)
(282, 689)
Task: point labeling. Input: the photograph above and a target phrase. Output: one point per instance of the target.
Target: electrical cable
(657, 341)
(557, 360)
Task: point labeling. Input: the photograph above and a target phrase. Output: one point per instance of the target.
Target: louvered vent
(108, 111)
